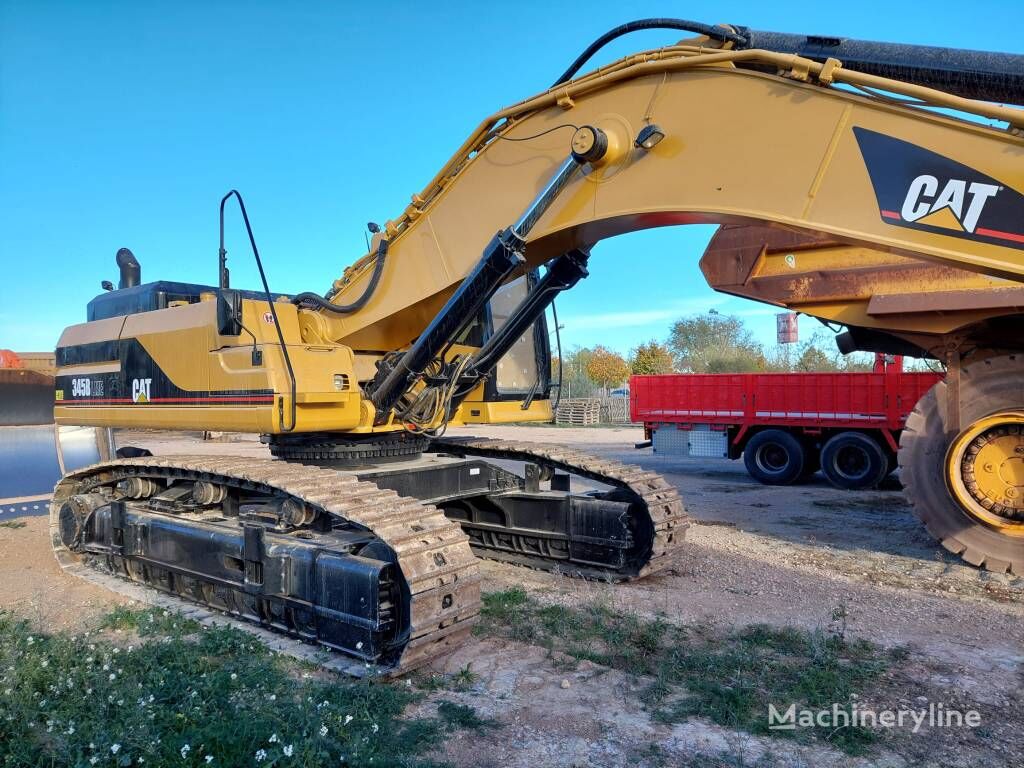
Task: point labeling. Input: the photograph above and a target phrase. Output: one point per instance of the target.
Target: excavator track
(655, 499)
(437, 573)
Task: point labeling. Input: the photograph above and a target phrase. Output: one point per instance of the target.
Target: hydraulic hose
(710, 30)
(312, 300)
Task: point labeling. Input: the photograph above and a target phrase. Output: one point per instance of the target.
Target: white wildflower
(31, 639)
(288, 750)
(323, 729)
(44, 663)
(185, 750)
(93, 760)
(273, 697)
(348, 719)
(375, 728)
(113, 677)
(234, 676)
(209, 758)
(260, 755)
(115, 748)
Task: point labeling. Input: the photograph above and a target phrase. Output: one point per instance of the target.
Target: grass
(463, 680)
(727, 677)
(148, 687)
(462, 716)
(13, 524)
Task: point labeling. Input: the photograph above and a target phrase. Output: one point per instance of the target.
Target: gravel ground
(785, 556)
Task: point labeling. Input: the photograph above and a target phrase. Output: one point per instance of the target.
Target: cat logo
(958, 206)
(140, 390)
(920, 189)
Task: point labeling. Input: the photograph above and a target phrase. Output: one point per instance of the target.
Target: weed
(465, 678)
(461, 716)
(728, 677)
(14, 524)
(168, 691)
(150, 622)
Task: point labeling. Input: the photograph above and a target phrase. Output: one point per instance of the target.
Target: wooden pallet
(579, 412)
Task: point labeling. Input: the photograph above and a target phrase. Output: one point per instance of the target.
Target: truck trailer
(786, 426)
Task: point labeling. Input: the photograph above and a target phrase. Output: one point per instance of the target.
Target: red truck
(786, 426)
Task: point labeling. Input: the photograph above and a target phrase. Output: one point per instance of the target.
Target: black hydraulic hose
(266, 292)
(561, 360)
(313, 300)
(710, 30)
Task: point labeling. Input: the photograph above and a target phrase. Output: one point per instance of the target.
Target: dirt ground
(784, 556)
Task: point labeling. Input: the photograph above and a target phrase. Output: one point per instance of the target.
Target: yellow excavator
(877, 186)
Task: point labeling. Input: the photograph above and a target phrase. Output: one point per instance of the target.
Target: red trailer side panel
(852, 400)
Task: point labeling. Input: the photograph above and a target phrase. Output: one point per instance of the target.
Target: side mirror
(229, 313)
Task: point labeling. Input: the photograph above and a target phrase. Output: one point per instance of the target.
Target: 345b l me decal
(921, 189)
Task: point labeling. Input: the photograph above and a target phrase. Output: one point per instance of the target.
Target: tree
(606, 368)
(651, 358)
(714, 343)
(813, 358)
(575, 381)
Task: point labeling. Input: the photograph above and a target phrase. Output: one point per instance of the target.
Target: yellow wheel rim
(985, 471)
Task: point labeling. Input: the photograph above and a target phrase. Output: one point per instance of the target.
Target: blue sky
(122, 124)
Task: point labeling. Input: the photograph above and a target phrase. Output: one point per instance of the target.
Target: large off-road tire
(853, 461)
(775, 457)
(986, 386)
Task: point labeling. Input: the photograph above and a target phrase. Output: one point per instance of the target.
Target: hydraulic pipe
(500, 258)
(563, 273)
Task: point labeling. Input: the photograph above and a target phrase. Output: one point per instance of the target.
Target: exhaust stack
(131, 272)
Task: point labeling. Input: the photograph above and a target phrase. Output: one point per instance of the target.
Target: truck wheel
(853, 461)
(968, 488)
(775, 457)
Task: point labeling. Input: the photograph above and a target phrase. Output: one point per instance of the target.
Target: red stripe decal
(1001, 235)
(891, 215)
(224, 400)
